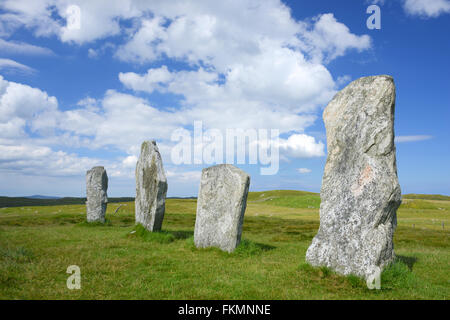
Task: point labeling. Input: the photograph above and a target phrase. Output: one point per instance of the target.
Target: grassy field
(120, 261)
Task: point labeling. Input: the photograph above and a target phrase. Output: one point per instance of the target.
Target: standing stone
(97, 199)
(360, 190)
(151, 187)
(221, 203)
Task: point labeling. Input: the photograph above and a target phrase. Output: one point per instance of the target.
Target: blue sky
(75, 96)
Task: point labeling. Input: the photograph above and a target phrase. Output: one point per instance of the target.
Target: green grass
(143, 234)
(418, 204)
(395, 276)
(426, 196)
(286, 198)
(121, 260)
(398, 275)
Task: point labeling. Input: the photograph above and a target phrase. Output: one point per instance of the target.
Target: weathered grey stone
(96, 196)
(360, 191)
(151, 187)
(221, 203)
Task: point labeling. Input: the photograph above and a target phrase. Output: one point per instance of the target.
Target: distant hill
(38, 196)
(26, 201)
(39, 200)
(289, 198)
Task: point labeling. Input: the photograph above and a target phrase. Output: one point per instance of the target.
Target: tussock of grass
(306, 267)
(189, 243)
(324, 276)
(140, 232)
(355, 281)
(18, 254)
(397, 275)
(12, 263)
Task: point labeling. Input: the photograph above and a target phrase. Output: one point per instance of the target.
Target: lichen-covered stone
(221, 203)
(151, 187)
(96, 194)
(360, 191)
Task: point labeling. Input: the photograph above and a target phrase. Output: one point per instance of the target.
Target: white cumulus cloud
(30, 105)
(427, 8)
(328, 39)
(147, 82)
(302, 146)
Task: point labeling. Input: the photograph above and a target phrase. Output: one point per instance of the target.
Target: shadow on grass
(246, 248)
(181, 234)
(250, 248)
(162, 236)
(409, 261)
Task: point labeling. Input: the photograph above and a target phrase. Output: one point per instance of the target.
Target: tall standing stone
(221, 203)
(96, 196)
(151, 187)
(360, 191)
